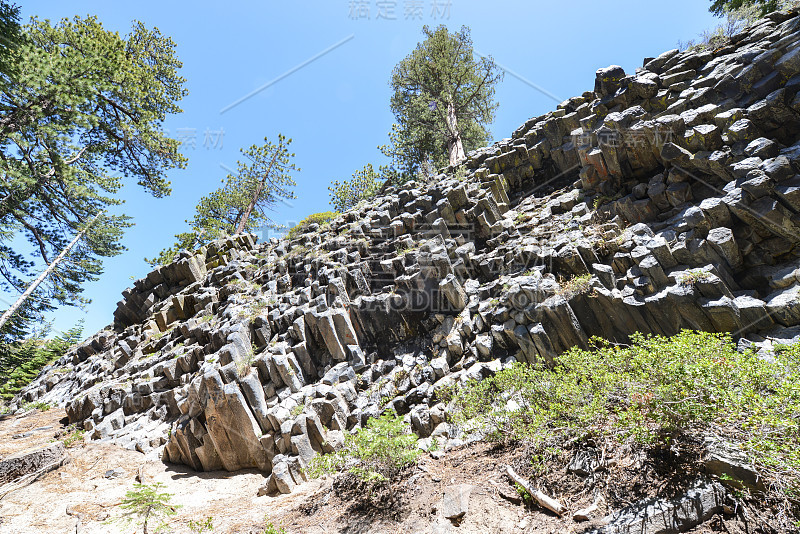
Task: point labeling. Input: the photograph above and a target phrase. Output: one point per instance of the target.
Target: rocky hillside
(662, 200)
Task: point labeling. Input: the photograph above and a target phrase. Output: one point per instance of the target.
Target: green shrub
(73, 437)
(145, 503)
(692, 276)
(651, 392)
(364, 184)
(199, 526)
(577, 285)
(314, 218)
(38, 405)
(376, 453)
(270, 528)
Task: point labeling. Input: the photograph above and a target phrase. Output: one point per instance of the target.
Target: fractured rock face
(33, 461)
(660, 201)
(696, 506)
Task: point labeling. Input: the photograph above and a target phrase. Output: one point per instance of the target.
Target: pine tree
(721, 7)
(443, 100)
(10, 36)
(80, 108)
(262, 179)
(364, 184)
(21, 361)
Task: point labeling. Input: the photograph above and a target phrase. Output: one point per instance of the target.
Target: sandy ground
(83, 496)
(80, 497)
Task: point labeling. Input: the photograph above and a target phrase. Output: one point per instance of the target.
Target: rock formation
(661, 200)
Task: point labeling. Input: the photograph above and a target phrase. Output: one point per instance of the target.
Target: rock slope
(661, 200)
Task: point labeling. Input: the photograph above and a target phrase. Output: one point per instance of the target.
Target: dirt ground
(85, 494)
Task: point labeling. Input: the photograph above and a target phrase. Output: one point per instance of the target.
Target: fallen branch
(544, 501)
(30, 477)
(585, 513)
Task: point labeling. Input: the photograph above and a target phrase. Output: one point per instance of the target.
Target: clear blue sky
(336, 108)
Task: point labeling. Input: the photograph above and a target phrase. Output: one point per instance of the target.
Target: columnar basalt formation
(661, 200)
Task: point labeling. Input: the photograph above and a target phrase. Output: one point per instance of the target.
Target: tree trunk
(146, 517)
(41, 278)
(455, 147)
(249, 210)
(259, 189)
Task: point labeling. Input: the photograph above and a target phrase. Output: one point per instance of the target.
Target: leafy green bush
(270, 528)
(364, 184)
(38, 405)
(651, 392)
(376, 453)
(73, 437)
(314, 218)
(198, 526)
(693, 276)
(577, 285)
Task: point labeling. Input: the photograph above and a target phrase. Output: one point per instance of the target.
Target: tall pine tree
(81, 107)
(262, 179)
(443, 101)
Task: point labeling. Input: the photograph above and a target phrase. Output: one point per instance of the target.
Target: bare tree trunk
(259, 190)
(455, 147)
(41, 278)
(250, 206)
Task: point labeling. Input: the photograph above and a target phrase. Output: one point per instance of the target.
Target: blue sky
(336, 107)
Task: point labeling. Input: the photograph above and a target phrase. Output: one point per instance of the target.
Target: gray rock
(421, 421)
(453, 292)
(784, 306)
(667, 517)
(281, 478)
(455, 502)
(724, 243)
(484, 344)
(724, 461)
(24, 463)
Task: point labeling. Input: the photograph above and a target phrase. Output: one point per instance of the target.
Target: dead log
(543, 500)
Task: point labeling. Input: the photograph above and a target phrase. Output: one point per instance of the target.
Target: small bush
(243, 365)
(577, 285)
(605, 199)
(199, 526)
(270, 528)
(38, 405)
(376, 453)
(145, 503)
(158, 335)
(523, 217)
(650, 393)
(314, 218)
(692, 276)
